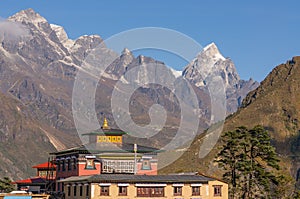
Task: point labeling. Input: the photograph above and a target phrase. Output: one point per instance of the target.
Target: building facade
(118, 186)
(42, 182)
(106, 153)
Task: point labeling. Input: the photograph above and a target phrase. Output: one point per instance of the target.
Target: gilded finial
(105, 124)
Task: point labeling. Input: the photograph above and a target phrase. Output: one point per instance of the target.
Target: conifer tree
(249, 161)
(6, 185)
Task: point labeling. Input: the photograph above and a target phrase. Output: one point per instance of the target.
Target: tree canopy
(249, 162)
(6, 185)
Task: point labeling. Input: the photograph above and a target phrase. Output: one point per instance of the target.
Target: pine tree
(6, 185)
(229, 158)
(248, 160)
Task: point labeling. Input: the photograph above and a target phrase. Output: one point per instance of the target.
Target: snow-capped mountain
(211, 63)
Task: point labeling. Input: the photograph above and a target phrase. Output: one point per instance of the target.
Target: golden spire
(105, 124)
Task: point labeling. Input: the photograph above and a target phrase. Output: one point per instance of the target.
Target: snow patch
(176, 73)
(209, 46)
(213, 51)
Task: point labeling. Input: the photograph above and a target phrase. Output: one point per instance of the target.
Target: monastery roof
(106, 132)
(35, 180)
(45, 165)
(123, 178)
(106, 147)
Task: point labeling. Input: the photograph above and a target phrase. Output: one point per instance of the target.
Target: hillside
(274, 105)
(20, 136)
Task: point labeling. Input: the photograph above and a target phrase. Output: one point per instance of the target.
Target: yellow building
(120, 186)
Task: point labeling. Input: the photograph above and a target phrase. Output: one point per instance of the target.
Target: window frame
(146, 165)
(196, 193)
(104, 190)
(74, 190)
(217, 190)
(69, 190)
(80, 190)
(63, 165)
(58, 165)
(69, 166)
(177, 190)
(87, 189)
(74, 164)
(122, 191)
(90, 164)
(150, 192)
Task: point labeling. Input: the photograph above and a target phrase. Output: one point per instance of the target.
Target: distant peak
(29, 10)
(212, 50)
(28, 15)
(211, 45)
(126, 51)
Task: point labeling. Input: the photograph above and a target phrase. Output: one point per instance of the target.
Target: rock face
(209, 64)
(38, 66)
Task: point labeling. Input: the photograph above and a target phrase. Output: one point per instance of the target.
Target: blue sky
(256, 35)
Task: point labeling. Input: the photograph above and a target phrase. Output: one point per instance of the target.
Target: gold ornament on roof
(105, 124)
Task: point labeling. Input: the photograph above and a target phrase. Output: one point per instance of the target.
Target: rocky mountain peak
(90, 41)
(126, 57)
(28, 16)
(126, 51)
(62, 36)
(210, 63)
(212, 51)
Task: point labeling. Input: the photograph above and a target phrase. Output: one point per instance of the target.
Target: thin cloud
(12, 31)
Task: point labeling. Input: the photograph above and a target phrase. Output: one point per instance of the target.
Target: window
(74, 190)
(87, 191)
(177, 191)
(90, 164)
(195, 191)
(104, 190)
(146, 165)
(80, 190)
(58, 186)
(63, 165)
(69, 190)
(217, 190)
(42, 173)
(58, 165)
(150, 192)
(117, 166)
(122, 191)
(69, 164)
(74, 163)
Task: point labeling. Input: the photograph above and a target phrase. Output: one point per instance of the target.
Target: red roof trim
(30, 180)
(45, 165)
